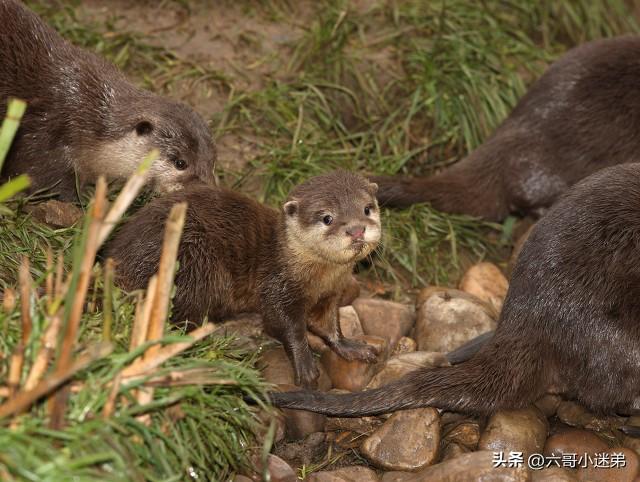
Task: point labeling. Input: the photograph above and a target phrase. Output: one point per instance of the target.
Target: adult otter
(582, 115)
(237, 255)
(84, 118)
(570, 319)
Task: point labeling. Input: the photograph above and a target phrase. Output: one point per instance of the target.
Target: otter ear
(290, 208)
(373, 188)
(144, 127)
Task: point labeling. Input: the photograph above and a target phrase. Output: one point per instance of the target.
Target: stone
(385, 319)
(628, 473)
(247, 331)
(408, 440)
(345, 474)
(278, 469)
(303, 452)
(473, 466)
(576, 415)
(54, 213)
(400, 365)
(350, 293)
(349, 322)
(316, 343)
(359, 425)
(404, 345)
(276, 368)
(300, 423)
(548, 404)
(574, 441)
(450, 318)
(466, 434)
(354, 375)
(453, 450)
(487, 283)
(524, 430)
(553, 474)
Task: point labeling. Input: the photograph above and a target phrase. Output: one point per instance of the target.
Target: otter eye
(367, 210)
(327, 220)
(180, 164)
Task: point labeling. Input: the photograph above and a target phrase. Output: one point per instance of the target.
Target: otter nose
(356, 232)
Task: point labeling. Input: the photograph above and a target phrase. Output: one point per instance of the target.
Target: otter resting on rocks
(237, 255)
(578, 117)
(571, 319)
(85, 119)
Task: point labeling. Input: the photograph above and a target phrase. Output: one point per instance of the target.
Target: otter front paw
(355, 350)
(307, 374)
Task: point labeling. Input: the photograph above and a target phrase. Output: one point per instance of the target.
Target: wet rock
(523, 430)
(354, 375)
(303, 452)
(385, 319)
(466, 434)
(278, 469)
(408, 440)
(487, 283)
(400, 365)
(450, 318)
(453, 450)
(300, 423)
(474, 466)
(548, 404)
(404, 345)
(553, 474)
(349, 322)
(350, 293)
(346, 474)
(276, 368)
(425, 293)
(576, 415)
(360, 425)
(574, 441)
(54, 213)
(607, 472)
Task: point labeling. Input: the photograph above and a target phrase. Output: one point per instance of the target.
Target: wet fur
(570, 319)
(84, 118)
(237, 255)
(582, 115)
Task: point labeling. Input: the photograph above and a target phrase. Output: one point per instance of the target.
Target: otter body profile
(237, 255)
(571, 319)
(580, 116)
(84, 119)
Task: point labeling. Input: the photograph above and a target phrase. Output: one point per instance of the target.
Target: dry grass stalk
(128, 193)
(59, 277)
(194, 376)
(47, 349)
(49, 278)
(154, 361)
(166, 271)
(15, 369)
(107, 303)
(70, 335)
(24, 399)
(110, 404)
(24, 279)
(143, 314)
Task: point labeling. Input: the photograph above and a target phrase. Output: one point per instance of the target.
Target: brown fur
(85, 119)
(570, 319)
(582, 115)
(237, 255)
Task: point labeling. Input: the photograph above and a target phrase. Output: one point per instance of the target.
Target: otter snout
(356, 232)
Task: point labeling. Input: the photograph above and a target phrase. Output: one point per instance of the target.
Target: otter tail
(473, 186)
(493, 379)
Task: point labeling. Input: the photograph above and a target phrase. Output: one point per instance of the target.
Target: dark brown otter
(571, 319)
(85, 119)
(582, 115)
(237, 255)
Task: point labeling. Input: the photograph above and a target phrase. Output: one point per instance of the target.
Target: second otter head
(130, 130)
(333, 218)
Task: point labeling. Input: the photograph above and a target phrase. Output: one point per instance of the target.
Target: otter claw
(354, 350)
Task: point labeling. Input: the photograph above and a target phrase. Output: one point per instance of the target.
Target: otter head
(143, 122)
(333, 218)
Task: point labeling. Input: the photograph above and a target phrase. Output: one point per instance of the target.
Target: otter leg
(323, 321)
(286, 324)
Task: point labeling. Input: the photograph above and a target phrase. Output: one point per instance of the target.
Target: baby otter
(237, 255)
(85, 119)
(570, 319)
(580, 116)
